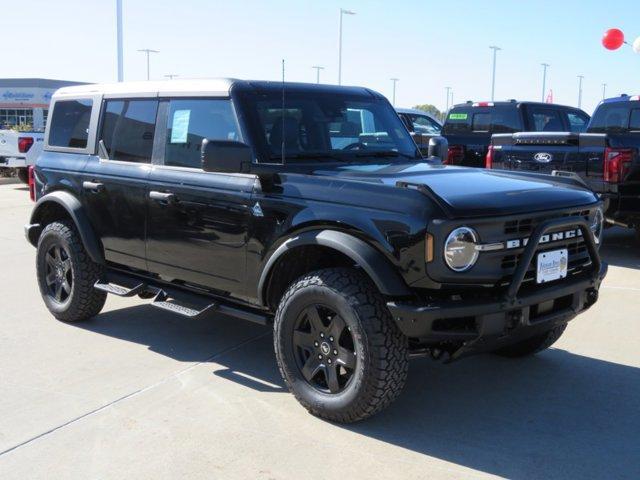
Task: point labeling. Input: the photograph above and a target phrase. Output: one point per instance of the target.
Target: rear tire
(338, 349)
(533, 345)
(23, 175)
(66, 274)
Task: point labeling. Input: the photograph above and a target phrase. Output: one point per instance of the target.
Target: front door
(115, 188)
(198, 221)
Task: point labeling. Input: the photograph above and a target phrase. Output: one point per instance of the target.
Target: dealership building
(25, 101)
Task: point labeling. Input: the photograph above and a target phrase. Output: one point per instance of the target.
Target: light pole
(171, 76)
(604, 90)
(148, 51)
(448, 89)
(544, 79)
(580, 77)
(318, 68)
(451, 98)
(119, 40)
(342, 12)
(493, 77)
(394, 80)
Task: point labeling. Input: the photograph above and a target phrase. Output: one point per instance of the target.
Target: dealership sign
(26, 95)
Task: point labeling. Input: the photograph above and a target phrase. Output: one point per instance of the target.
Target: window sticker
(180, 126)
(457, 116)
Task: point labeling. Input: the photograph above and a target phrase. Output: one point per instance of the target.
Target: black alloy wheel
(59, 273)
(324, 349)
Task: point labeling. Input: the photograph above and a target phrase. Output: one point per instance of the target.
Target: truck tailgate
(545, 152)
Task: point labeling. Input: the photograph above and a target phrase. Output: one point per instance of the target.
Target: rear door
(197, 221)
(115, 187)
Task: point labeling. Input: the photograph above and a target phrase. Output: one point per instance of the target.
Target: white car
(19, 150)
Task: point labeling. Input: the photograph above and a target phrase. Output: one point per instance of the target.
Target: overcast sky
(428, 45)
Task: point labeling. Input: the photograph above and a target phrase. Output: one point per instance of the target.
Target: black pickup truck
(468, 127)
(308, 208)
(606, 158)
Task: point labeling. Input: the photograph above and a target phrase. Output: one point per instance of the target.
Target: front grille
(525, 226)
(576, 247)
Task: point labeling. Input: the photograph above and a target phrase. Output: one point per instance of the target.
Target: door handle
(165, 197)
(93, 186)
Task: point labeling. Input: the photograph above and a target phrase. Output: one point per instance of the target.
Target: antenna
(283, 133)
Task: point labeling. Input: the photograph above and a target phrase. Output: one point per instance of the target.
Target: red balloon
(613, 39)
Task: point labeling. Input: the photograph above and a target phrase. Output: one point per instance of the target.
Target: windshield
(326, 127)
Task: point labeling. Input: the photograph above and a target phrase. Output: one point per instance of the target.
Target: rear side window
(634, 120)
(611, 117)
(70, 124)
(128, 128)
(498, 119)
(190, 122)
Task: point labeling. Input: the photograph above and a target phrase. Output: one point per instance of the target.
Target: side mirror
(225, 156)
(438, 147)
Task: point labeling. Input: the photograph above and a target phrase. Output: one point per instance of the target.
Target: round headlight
(597, 225)
(460, 249)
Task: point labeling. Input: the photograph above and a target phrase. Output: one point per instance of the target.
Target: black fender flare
(74, 208)
(373, 262)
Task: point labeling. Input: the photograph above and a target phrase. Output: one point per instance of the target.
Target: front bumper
(487, 324)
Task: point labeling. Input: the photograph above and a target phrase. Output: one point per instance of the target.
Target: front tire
(337, 347)
(66, 274)
(533, 345)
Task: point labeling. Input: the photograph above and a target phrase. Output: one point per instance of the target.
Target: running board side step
(166, 302)
(119, 290)
(162, 301)
(188, 304)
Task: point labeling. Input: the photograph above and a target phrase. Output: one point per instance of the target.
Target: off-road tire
(533, 345)
(637, 229)
(84, 301)
(23, 175)
(380, 348)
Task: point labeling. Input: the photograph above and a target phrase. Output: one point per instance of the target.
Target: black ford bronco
(307, 207)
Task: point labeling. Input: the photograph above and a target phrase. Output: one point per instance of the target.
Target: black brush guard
(508, 318)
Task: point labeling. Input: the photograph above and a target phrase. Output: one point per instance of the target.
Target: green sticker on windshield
(457, 116)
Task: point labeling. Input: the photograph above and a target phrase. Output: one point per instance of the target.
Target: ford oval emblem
(543, 157)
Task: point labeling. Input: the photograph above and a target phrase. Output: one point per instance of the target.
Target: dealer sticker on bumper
(552, 265)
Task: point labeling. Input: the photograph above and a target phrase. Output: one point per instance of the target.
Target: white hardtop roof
(218, 87)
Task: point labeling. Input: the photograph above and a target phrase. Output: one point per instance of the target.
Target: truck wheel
(337, 347)
(23, 175)
(533, 345)
(66, 274)
(638, 233)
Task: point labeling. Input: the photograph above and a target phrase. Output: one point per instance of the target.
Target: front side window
(128, 128)
(190, 121)
(577, 122)
(70, 123)
(423, 124)
(321, 126)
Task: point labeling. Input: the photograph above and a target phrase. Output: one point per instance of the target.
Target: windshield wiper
(383, 154)
(307, 156)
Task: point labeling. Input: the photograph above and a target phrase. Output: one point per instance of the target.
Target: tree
(431, 110)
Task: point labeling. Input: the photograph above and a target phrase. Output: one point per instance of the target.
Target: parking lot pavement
(137, 393)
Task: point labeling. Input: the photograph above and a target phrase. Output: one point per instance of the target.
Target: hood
(475, 192)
